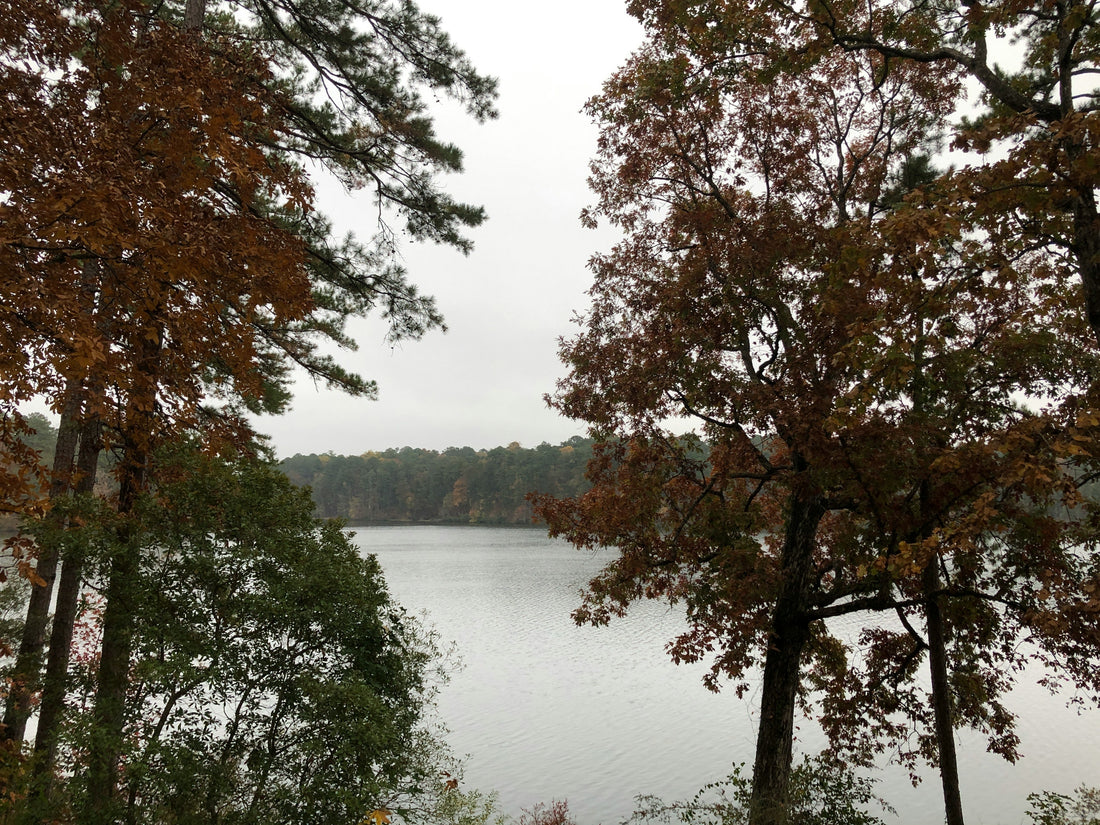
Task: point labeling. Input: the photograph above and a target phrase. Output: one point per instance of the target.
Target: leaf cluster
(273, 678)
(870, 354)
(823, 793)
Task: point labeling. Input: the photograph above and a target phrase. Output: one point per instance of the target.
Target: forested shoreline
(857, 268)
(459, 485)
(410, 485)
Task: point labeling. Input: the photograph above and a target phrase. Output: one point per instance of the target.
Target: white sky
(481, 383)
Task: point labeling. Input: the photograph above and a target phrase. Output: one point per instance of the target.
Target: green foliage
(473, 807)
(273, 679)
(822, 792)
(458, 485)
(354, 80)
(13, 602)
(43, 437)
(1050, 808)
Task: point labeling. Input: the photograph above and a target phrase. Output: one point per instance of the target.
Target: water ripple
(546, 709)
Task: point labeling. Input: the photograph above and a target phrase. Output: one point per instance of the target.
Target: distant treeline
(457, 485)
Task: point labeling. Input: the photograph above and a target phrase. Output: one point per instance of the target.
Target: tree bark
(770, 801)
(942, 709)
(28, 663)
(61, 639)
(193, 15)
(109, 708)
(1086, 248)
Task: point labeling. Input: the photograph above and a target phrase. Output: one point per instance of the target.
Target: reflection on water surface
(546, 709)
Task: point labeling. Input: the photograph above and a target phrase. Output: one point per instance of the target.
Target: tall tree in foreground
(854, 363)
(128, 277)
(164, 264)
(1034, 63)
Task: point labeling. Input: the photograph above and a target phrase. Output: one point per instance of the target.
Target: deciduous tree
(855, 365)
(1034, 62)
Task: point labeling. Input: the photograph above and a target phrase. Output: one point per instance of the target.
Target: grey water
(542, 709)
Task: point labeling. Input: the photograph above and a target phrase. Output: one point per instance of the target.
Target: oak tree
(853, 362)
(1034, 63)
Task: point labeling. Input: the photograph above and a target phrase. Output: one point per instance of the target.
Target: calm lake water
(545, 710)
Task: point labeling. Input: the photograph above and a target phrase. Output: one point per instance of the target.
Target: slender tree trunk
(109, 709)
(28, 663)
(61, 639)
(1086, 247)
(770, 800)
(942, 710)
(941, 695)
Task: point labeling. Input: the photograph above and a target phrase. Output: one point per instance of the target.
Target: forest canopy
(457, 485)
(163, 272)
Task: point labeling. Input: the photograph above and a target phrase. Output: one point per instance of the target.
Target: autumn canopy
(887, 364)
(164, 270)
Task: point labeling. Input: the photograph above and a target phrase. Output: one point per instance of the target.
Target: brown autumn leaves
(889, 366)
(163, 266)
(135, 257)
(139, 277)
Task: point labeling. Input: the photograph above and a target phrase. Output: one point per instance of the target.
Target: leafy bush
(554, 813)
(1049, 808)
(473, 807)
(823, 792)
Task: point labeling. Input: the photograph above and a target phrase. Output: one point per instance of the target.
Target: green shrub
(823, 792)
(1049, 808)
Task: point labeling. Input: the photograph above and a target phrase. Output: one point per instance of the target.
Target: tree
(99, 274)
(852, 361)
(149, 279)
(1040, 101)
(160, 242)
(350, 91)
(272, 678)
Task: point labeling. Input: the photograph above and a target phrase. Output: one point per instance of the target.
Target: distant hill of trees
(411, 485)
(457, 485)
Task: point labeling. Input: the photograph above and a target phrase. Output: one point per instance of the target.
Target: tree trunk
(770, 800)
(1086, 247)
(109, 710)
(106, 742)
(28, 663)
(193, 15)
(941, 695)
(61, 639)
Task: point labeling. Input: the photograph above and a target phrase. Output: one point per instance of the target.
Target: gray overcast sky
(481, 383)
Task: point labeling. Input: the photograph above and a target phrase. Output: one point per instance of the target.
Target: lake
(546, 710)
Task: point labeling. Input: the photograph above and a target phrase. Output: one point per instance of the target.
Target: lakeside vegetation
(459, 485)
(880, 317)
